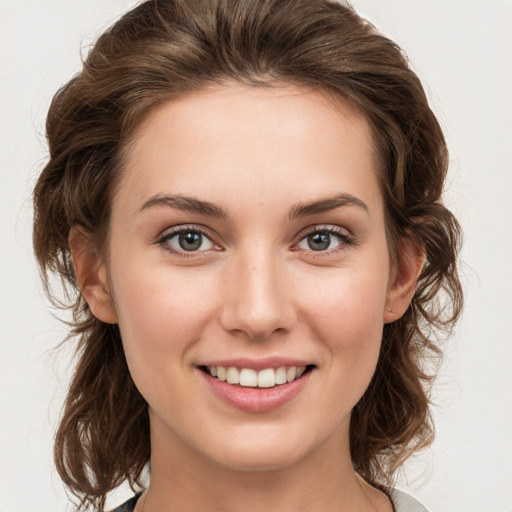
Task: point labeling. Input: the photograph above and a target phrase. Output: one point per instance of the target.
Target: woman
(244, 198)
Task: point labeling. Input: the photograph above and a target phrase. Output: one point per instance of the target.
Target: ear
(403, 279)
(91, 275)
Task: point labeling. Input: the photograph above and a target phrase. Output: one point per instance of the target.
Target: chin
(258, 461)
(263, 451)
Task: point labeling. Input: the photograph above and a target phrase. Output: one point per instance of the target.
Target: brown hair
(163, 49)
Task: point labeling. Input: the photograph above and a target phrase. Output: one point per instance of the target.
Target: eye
(186, 240)
(326, 239)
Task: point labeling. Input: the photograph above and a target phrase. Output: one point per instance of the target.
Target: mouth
(264, 379)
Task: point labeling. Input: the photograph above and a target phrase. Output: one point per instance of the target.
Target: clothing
(401, 502)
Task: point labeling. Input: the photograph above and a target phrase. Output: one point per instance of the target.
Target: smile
(259, 389)
(249, 378)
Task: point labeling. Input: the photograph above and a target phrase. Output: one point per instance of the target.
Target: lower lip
(256, 399)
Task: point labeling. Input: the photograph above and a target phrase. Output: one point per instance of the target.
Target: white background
(462, 50)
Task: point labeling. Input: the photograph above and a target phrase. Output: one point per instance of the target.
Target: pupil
(319, 241)
(190, 241)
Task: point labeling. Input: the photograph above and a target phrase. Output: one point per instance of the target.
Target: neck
(183, 480)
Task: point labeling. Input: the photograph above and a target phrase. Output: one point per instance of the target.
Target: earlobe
(91, 275)
(403, 280)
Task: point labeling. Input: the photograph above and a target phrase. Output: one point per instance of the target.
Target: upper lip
(257, 364)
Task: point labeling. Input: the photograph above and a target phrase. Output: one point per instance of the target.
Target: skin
(254, 289)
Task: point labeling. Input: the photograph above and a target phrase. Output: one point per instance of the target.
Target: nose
(256, 298)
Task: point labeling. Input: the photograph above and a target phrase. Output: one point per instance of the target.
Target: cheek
(350, 328)
(160, 317)
(159, 327)
(347, 305)
(345, 315)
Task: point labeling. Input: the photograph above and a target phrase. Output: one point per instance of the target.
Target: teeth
(221, 373)
(232, 375)
(267, 378)
(247, 377)
(281, 375)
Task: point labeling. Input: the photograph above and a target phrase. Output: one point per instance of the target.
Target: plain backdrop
(462, 50)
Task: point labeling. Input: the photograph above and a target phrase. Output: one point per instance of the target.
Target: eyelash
(344, 238)
(163, 241)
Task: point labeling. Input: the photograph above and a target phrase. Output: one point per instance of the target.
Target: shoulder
(402, 502)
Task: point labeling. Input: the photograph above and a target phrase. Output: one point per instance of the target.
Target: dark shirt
(128, 506)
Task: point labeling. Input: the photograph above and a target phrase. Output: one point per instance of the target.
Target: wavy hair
(164, 49)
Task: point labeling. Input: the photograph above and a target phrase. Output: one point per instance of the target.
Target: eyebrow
(325, 205)
(193, 205)
(185, 203)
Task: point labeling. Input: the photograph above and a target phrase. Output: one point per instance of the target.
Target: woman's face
(247, 232)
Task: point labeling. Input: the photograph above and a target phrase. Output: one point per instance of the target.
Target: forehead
(235, 140)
